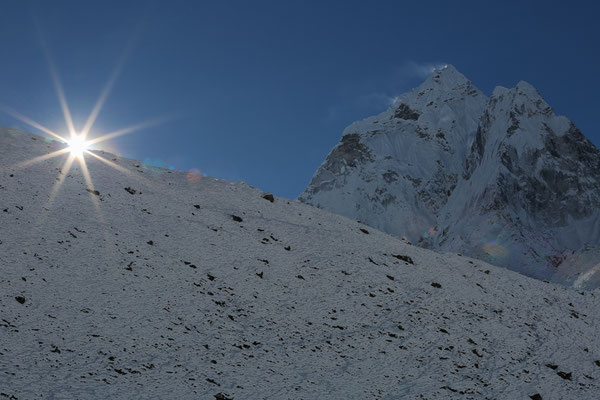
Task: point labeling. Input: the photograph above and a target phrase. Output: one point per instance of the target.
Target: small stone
(403, 258)
(269, 197)
(236, 218)
(565, 375)
(20, 299)
(364, 231)
(536, 396)
(94, 192)
(436, 285)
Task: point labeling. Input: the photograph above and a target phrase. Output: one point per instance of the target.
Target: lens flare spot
(494, 249)
(430, 233)
(194, 175)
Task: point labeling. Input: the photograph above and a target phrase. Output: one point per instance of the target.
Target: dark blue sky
(263, 89)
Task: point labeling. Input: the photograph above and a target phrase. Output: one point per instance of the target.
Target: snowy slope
(503, 179)
(161, 293)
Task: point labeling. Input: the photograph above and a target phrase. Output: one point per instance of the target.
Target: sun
(78, 145)
(78, 142)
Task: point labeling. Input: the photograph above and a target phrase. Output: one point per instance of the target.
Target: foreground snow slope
(162, 294)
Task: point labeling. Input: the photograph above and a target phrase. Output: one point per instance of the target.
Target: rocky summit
(503, 179)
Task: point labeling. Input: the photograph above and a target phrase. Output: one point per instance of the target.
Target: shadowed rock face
(348, 154)
(551, 175)
(404, 112)
(453, 170)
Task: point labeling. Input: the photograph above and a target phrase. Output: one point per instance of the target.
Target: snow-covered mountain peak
(451, 169)
(520, 116)
(522, 92)
(400, 167)
(447, 76)
(526, 87)
(443, 85)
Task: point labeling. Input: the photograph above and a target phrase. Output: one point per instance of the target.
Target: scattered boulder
(95, 192)
(130, 190)
(436, 285)
(474, 351)
(20, 299)
(269, 197)
(565, 375)
(536, 396)
(364, 231)
(236, 218)
(210, 380)
(197, 206)
(150, 242)
(221, 396)
(403, 258)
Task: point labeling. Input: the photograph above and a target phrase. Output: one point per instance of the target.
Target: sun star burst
(78, 144)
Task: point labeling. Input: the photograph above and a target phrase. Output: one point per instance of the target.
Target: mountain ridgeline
(503, 178)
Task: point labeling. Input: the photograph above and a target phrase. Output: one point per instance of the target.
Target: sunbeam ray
(56, 80)
(110, 163)
(90, 185)
(60, 93)
(120, 168)
(64, 171)
(128, 130)
(100, 103)
(31, 122)
(116, 72)
(36, 160)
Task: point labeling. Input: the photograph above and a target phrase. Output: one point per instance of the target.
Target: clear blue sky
(263, 89)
